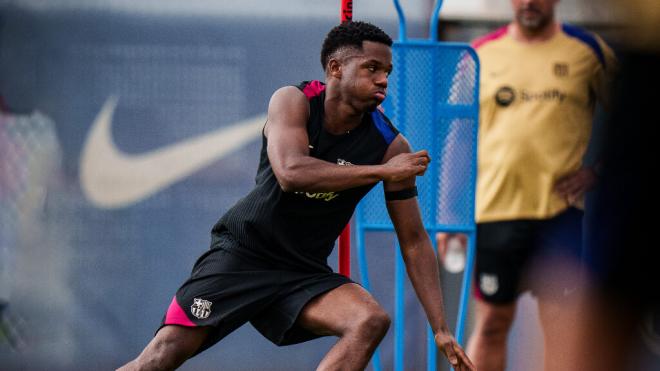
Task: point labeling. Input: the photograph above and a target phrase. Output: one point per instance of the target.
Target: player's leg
(223, 292)
(487, 345)
(171, 346)
(502, 252)
(353, 315)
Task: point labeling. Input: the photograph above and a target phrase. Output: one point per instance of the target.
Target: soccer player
(325, 145)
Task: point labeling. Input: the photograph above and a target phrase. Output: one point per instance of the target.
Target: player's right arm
(296, 170)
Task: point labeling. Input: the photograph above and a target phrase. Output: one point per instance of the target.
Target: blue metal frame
(468, 229)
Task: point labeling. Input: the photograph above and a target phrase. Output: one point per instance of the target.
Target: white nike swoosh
(113, 179)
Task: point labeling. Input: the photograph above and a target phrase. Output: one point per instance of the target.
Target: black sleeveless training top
(297, 230)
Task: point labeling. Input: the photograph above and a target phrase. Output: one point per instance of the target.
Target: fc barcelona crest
(560, 69)
(488, 283)
(201, 308)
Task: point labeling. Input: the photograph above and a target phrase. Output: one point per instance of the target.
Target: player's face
(534, 15)
(366, 74)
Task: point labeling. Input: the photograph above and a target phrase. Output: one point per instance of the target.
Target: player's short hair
(351, 34)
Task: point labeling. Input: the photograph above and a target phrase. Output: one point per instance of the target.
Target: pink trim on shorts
(313, 89)
(490, 37)
(176, 316)
(476, 292)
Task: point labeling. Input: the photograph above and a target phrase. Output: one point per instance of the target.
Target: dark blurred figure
(620, 317)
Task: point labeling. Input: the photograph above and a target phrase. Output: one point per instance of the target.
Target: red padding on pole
(345, 251)
(346, 13)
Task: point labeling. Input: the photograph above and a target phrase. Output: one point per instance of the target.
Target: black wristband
(403, 194)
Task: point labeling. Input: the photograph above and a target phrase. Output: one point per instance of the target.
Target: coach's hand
(454, 353)
(406, 165)
(573, 186)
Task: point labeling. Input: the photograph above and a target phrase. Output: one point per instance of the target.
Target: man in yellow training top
(540, 81)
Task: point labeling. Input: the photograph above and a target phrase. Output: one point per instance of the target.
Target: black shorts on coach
(510, 254)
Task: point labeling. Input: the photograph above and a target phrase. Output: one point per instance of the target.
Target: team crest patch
(488, 284)
(201, 308)
(560, 69)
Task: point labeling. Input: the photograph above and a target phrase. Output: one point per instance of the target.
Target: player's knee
(374, 323)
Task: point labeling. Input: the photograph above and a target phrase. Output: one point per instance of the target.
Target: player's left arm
(419, 258)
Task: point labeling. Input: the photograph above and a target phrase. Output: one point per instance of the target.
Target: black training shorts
(225, 291)
(518, 255)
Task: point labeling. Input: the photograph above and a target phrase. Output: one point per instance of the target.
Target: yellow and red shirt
(536, 109)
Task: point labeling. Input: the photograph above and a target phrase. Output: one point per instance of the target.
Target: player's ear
(334, 68)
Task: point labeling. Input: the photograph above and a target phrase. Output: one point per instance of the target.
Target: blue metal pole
(402, 21)
(399, 309)
(362, 255)
(435, 14)
(431, 348)
(465, 294)
(472, 236)
(364, 275)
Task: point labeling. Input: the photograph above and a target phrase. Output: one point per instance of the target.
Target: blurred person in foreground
(325, 145)
(620, 316)
(540, 82)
